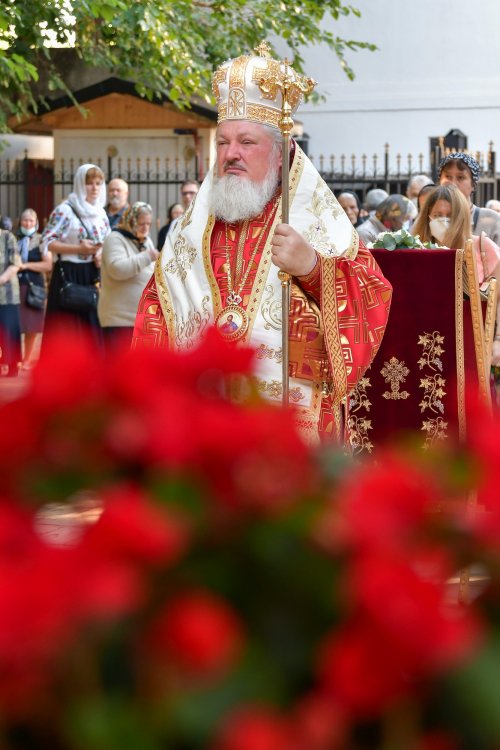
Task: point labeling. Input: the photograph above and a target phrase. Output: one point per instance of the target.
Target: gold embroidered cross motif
(183, 260)
(263, 49)
(395, 373)
(266, 79)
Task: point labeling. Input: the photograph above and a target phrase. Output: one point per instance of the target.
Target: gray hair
(418, 181)
(29, 212)
(374, 198)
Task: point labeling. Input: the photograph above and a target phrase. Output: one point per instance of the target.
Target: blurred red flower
(46, 594)
(407, 599)
(254, 728)
(359, 670)
(318, 723)
(198, 632)
(132, 526)
(383, 505)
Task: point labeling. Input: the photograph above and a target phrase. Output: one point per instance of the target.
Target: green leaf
(161, 45)
(472, 696)
(389, 242)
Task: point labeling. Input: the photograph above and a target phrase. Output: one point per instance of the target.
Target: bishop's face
(245, 149)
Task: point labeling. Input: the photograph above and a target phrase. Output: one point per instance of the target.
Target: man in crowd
(494, 205)
(189, 190)
(415, 185)
(463, 171)
(220, 264)
(117, 201)
(373, 199)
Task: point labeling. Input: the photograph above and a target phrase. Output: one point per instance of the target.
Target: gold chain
(240, 250)
(234, 296)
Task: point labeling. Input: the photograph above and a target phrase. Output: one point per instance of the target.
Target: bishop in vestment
(220, 266)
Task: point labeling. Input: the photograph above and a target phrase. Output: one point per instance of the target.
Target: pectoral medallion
(232, 323)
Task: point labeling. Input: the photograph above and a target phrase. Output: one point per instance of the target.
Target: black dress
(31, 319)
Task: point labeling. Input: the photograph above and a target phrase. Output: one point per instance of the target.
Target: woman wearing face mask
(128, 257)
(445, 219)
(33, 268)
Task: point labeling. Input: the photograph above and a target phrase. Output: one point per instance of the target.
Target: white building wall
(437, 68)
(15, 147)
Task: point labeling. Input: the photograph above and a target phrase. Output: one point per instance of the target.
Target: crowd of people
(442, 213)
(99, 246)
(86, 270)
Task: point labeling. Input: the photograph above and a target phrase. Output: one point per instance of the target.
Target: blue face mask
(27, 232)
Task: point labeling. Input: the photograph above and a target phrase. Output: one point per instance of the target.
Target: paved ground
(11, 388)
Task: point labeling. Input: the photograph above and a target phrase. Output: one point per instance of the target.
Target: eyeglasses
(189, 192)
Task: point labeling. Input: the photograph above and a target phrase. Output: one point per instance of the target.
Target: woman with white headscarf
(74, 234)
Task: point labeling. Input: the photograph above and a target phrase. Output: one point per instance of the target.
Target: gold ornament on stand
(261, 89)
(293, 87)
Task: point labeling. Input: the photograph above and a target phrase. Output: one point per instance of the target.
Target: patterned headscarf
(392, 207)
(471, 163)
(131, 216)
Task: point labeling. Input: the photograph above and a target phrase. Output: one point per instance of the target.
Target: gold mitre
(250, 87)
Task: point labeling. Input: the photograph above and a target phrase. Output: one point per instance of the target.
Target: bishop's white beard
(235, 198)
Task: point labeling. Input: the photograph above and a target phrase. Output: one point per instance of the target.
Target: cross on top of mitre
(263, 49)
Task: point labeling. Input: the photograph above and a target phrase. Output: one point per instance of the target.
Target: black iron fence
(42, 185)
(361, 173)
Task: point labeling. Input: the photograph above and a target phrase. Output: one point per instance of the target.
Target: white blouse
(64, 226)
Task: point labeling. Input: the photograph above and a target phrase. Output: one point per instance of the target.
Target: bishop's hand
(291, 252)
(495, 355)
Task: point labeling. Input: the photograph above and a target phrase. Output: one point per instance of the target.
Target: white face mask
(27, 232)
(439, 227)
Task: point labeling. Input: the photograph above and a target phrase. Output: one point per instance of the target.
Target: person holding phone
(75, 234)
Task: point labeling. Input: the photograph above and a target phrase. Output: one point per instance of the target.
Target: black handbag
(77, 297)
(36, 296)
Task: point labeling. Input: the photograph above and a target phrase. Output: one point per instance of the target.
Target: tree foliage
(168, 47)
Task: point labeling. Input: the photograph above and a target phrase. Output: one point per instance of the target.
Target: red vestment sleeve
(311, 284)
(355, 303)
(150, 330)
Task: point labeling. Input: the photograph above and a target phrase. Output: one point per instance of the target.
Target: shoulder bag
(36, 296)
(77, 297)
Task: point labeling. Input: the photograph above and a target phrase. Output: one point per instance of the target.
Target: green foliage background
(168, 47)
